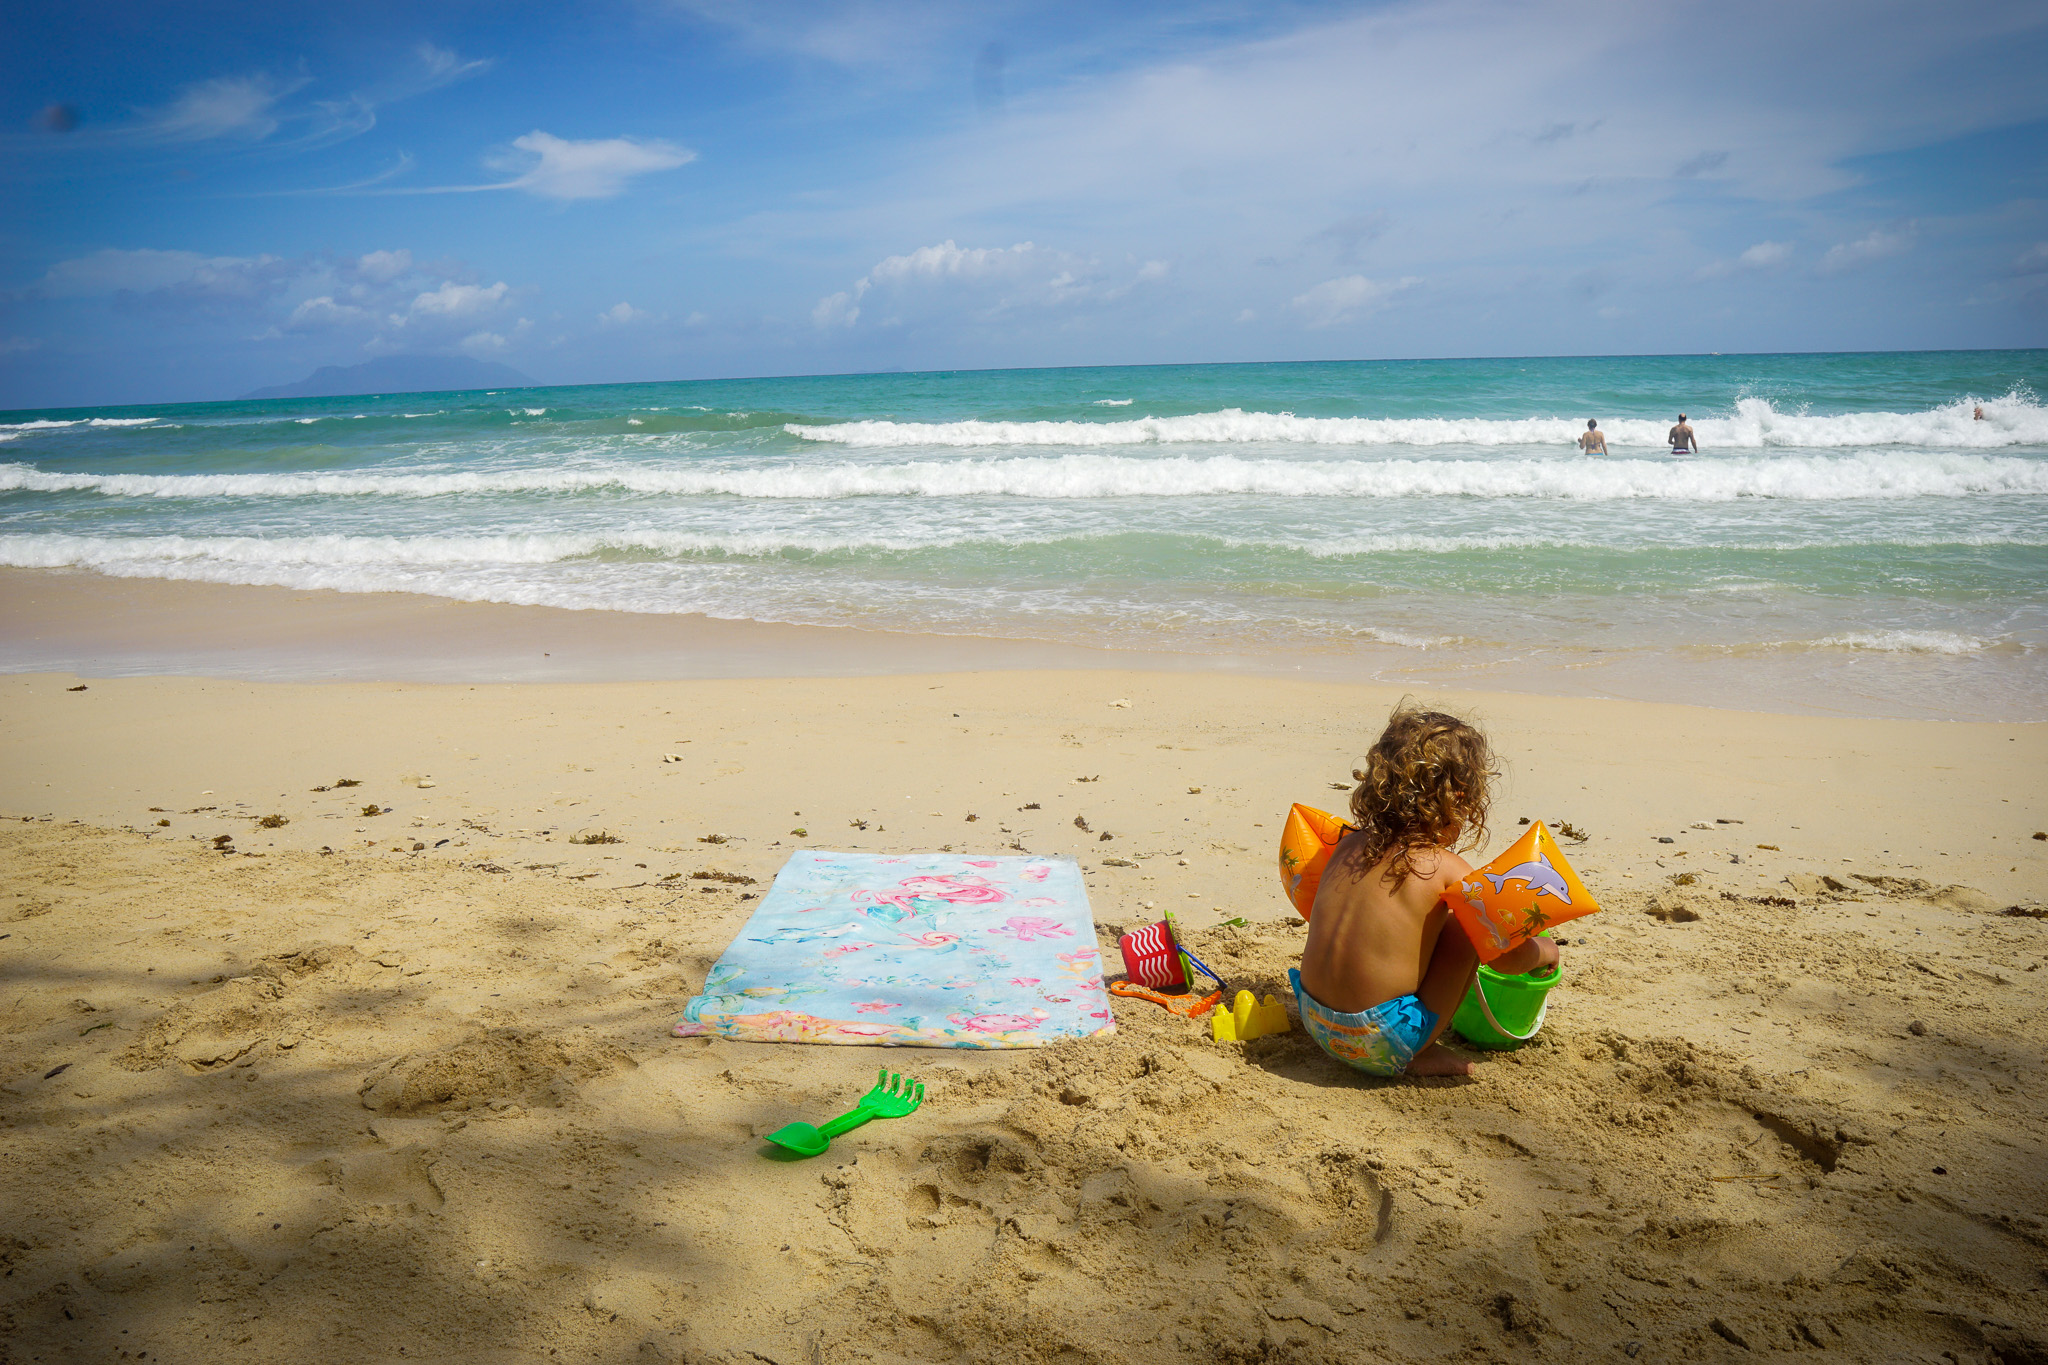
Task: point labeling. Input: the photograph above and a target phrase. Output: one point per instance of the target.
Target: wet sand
(73, 621)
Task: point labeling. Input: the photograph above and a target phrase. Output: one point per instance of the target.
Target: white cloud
(993, 278)
(1878, 244)
(1344, 298)
(601, 168)
(252, 108)
(334, 120)
(443, 66)
(331, 121)
(377, 300)
(382, 267)
(483, 345)
(323, 311)
(311, 293)
(840, 309)
(171, 281)
(1762, 256)
(236, 280)
(619, 314)
(1064, 286)
(1766, 254)
(454, 300)
(947, 260)
(2032, 261)
(557, 168)
(844, 32)
(1413, 122)
(227, 106)
(110, 271)
(1153, 270)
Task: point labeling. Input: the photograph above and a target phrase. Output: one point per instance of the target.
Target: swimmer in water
(1593, 443)
(1682, 439)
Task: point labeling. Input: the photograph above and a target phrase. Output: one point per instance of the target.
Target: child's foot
(1438, 1060)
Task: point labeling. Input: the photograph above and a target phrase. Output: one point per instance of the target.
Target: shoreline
(95, 625)
(84, 622)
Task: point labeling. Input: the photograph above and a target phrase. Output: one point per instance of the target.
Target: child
(1386, 964)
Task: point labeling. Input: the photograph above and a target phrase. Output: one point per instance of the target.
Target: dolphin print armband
(1526, 890)
(1518, 895)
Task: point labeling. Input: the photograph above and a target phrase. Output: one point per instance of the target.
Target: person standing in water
(1593, 443)
(1682, 439)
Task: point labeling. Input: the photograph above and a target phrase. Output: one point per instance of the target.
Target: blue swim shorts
(1380, 1041)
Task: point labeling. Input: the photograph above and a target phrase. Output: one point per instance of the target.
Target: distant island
(399, 374)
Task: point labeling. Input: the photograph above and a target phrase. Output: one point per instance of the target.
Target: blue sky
(207, 197)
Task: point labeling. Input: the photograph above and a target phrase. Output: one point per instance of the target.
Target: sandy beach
(593, 597)
(400, 1086)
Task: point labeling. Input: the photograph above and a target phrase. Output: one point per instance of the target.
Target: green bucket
(1502, 1012)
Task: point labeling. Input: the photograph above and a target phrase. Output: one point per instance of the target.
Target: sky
(204, 198)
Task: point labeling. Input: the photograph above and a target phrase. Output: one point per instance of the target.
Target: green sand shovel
(892, 1098)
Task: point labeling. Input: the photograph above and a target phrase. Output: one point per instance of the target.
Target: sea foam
(1755, 425)
(1908, 642)
(47, 423)
(64, 550)
(1813, 478)
(50, 551)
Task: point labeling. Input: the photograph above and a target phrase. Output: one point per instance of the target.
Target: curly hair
(1427, 772)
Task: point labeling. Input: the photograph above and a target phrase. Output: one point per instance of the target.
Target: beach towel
(916, 950)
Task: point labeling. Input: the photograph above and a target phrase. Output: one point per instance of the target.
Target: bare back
(1370, 941)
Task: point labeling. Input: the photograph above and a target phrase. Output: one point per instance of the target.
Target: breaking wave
(1908, 642)
(46, 424)
(52, 551)
(1755, 425)
(1814, 478)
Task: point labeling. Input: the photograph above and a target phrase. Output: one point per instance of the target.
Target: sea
(1851, 536)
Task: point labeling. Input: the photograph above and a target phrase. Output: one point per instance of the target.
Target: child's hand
(1530, 956)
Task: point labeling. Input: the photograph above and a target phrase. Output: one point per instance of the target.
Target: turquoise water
(1848, 535)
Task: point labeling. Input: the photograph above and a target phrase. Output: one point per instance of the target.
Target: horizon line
(1005, 369)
